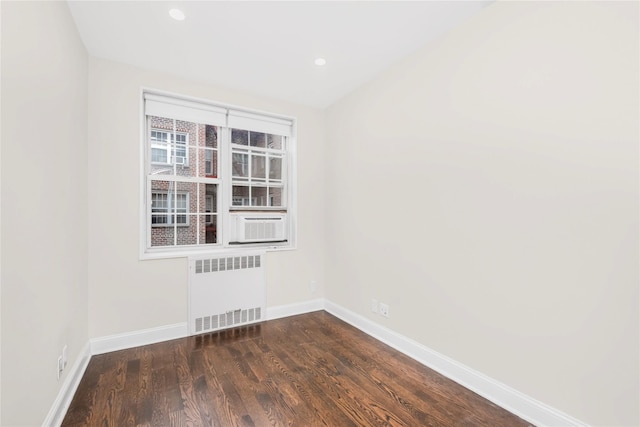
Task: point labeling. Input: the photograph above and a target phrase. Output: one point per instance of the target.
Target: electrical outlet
(384, 310)
(313, 286)
(374, 305)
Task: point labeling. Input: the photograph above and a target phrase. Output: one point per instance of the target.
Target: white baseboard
(179, 330)
(135, 339)
(138, 338)
(502, 395)
(280, 311)
(68, 389)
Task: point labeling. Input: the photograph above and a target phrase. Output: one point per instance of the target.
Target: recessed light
(177, 14)
(320, 61)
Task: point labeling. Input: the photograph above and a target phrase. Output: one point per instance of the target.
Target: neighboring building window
(210, 203)
(196, 151)
(169, 208)
(169, 147)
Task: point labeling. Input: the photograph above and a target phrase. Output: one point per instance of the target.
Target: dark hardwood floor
(307, 370)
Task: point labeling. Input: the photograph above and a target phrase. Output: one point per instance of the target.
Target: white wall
(126, 294)
(486, 188)
(0, 214)
(44, 204)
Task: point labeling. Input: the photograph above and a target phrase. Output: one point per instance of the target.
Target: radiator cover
(226, 291)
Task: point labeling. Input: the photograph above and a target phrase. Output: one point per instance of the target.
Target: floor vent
(226, 291)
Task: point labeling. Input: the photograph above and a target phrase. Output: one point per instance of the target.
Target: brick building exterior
(188, 150)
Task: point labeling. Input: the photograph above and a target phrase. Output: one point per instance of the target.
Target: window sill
(187, 252)
(184, 166)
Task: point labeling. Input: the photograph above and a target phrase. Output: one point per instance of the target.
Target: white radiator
(226, 291)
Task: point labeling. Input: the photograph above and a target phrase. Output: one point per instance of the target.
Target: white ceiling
(266, 47)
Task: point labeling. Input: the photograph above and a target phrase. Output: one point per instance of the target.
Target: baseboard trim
(137, 338)
(502, 395)
(68, 389)
(180, 330)
(281, 311)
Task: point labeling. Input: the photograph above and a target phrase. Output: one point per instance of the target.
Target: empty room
(321, 213)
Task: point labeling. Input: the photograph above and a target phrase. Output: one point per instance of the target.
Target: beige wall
(486, 188)
(126, 294)
(44, 204)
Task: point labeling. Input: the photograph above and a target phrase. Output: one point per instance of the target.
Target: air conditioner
(180, 160)
(258, 227)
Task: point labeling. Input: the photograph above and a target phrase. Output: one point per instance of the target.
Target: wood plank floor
(307, 370)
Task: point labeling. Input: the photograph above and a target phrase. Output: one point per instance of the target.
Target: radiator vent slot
(227, 320)
(228, 263)
(226, 291)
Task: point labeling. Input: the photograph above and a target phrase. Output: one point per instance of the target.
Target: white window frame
(223, 180)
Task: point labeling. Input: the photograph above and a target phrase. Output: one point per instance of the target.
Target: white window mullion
(149, 225)
(172, 147)
(226, 184)
(249, 171)
(198, 185)
(171, 203)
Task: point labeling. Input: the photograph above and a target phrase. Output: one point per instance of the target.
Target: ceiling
(266, 47)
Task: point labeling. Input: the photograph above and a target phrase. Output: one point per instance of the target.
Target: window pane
(241, 196)
(275, 196)
(274, 142)
(179, 149)
(188, 235)
(211, 136)
(275, 168)
(210, 166)
(240, 137)
(183, 213)
(211, 229)
(158, 155)
(180, 208)
(240, 165)
(259, 196)
(257, 139)
(169, 142)
(162, 236)
(209, 154)
(187, 133)
(159, 137)
(170, 202)
(207, 213)
(258, 167)
(210, 192)
(158, 142)
(159, 208)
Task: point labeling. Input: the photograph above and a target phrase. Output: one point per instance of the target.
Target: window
(212, 176)
(169, 208)
(168, 147)
(257, 169)
(209, 208)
